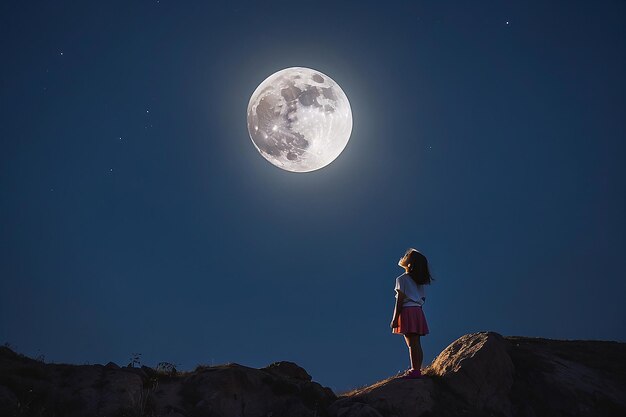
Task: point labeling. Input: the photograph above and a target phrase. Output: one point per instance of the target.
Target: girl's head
(416, 266)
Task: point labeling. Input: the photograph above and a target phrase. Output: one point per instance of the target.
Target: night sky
(136, 215)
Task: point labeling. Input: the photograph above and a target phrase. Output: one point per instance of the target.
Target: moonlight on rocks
(299, 119)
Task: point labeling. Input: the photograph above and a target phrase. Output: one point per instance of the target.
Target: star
(507, 22)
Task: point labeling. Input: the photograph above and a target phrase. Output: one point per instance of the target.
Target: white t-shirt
(415, 294)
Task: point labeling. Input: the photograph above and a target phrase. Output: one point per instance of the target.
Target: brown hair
(416, 266)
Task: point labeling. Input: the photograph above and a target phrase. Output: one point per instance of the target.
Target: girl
(408, 317)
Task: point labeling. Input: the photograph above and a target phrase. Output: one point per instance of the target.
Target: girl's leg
(415, 349)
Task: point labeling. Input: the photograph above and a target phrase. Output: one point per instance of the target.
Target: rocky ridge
(479, 374)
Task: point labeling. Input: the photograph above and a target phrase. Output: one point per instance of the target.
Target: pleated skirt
(411, 320)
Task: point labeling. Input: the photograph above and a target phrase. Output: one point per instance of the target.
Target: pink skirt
(411, 320)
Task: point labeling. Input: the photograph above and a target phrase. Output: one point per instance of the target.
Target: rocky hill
(479, 374)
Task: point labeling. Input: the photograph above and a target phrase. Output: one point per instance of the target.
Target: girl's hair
(416, 266)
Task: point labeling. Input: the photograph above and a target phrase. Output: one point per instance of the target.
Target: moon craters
(317, 78)
(299, 119)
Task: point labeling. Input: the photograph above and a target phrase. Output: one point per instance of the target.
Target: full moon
(299, 119)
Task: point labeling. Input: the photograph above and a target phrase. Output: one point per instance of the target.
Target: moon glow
(299, 119)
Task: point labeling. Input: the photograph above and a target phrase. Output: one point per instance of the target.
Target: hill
(479, 374)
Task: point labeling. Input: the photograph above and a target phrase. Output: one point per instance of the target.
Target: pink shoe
(413, 374)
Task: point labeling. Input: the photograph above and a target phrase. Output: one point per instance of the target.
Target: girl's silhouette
(408, 316)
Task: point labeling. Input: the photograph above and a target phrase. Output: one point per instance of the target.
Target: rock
(289, 370)
(232, 389)
(393, 396)
(486, 374)
(481, 374)
(80, 388)
(568, 377)
(8, 401)
(137, 371)
(121, 390)
(477, 367)
(357, 410)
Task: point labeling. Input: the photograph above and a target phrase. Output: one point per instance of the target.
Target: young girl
(408, 317)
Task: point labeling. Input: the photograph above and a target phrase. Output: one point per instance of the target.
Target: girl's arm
(397, 309)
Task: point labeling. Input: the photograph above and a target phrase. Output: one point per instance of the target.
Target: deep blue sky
(496, 149)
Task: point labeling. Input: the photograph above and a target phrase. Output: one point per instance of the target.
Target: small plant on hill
(167, 368)
(135, 359)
